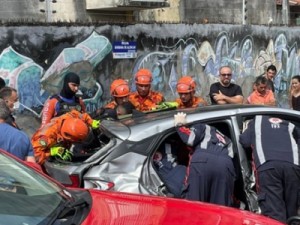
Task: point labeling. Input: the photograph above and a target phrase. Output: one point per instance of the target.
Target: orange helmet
(143, 76)
(119, 88)
(186, 84)
(74, 130)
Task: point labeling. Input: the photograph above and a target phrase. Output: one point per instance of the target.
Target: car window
(95, 142)
(170, 161)
(23, 177)
(179, 156)
(26, 197)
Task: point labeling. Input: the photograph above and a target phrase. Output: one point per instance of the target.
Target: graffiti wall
(35, 59)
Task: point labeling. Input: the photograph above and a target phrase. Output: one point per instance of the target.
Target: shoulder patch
(275, 120)
(43, 141)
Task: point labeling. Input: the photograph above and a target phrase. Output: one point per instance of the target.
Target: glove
(166, 105)
(62, 153)
(180, 119)
(96, 124)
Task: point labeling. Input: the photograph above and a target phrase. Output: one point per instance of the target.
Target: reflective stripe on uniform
(259, 149)
(192, 137)
(168, 151)
(294, 145)
(206, 138)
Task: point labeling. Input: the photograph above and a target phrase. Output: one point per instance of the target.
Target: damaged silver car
(125, 157)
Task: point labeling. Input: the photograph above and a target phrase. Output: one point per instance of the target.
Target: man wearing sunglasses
(225, 92)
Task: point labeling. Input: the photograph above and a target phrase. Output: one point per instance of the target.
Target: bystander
(261, 95)
(13, 140)
(295, 93)
(11, 98)
(225, 92)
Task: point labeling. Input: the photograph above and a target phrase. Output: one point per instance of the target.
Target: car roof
(143, 126)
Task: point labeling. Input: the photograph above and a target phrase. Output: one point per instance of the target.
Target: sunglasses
(226, 74)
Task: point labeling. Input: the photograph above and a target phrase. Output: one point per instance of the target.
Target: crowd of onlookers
(65, 121)
(222, 92)
(144, 99)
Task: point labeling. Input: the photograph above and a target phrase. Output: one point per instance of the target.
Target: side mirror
(294, 220)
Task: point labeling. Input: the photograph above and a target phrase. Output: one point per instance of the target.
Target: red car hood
(122, 208)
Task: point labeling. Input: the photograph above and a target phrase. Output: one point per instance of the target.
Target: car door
(161, 183)
(244, 196)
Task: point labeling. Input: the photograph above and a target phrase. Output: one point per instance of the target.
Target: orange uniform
(52, 108)
(148, 103)
(49, 135)
(197, 101)
(256, 98)
(111, 105)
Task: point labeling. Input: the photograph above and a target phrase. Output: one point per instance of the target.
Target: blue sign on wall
(124, 49)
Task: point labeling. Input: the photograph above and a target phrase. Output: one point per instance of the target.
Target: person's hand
(62, 153)
(219, 96)
(180, 119)
(96, 124)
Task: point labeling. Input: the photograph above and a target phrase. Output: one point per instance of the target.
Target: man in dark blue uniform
(275, 145)
(168, 168)
(211, 170)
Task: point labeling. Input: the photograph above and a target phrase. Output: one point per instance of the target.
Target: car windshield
(26, 197)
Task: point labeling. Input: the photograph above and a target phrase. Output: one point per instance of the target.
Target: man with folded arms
(225, 92)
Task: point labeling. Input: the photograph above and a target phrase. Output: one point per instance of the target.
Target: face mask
(16, 105)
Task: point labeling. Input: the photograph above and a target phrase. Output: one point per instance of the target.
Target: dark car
(125, 159)
(29, 197)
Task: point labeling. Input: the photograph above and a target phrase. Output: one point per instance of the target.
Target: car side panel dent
(125, 180)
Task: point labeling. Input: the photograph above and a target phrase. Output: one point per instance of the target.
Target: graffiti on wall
(202, 61)
(168, 62)
(34, 85)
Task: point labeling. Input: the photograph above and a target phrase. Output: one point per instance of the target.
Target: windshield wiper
(68, 207)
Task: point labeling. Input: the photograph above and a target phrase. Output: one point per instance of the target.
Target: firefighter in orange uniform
(67, 100)
(145, 99)
(186, 89)
(119, 89)
(56, 137)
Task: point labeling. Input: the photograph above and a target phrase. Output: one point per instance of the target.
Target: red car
(30, 197)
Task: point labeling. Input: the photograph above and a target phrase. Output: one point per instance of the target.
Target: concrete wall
(194, 11)
(170, 14)
(215, 11)
(53, 11)
(35, 58)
